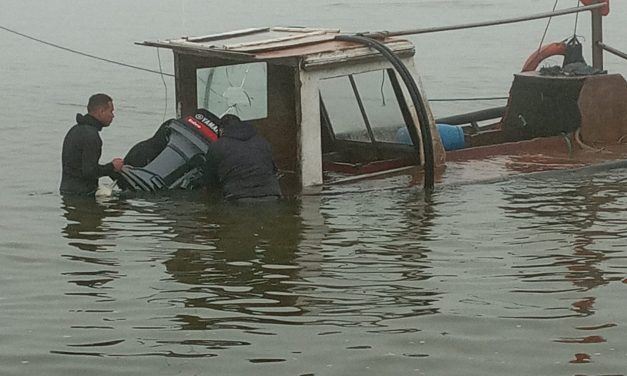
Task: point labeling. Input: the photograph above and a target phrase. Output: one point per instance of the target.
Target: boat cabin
(338, 107)
(330, 109)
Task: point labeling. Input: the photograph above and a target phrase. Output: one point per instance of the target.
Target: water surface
(523, 277)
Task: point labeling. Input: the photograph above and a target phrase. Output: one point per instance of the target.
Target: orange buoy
(546, 51)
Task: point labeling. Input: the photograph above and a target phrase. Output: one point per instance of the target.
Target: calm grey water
(524, 277)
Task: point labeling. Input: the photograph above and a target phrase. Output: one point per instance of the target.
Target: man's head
(230, 119)
(100, 106)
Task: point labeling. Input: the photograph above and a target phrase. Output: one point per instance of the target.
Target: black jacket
(241, 164)
(82, 148)
(145, 151)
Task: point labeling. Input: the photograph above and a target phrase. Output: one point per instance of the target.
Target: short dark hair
(97, 101)
(229, 119)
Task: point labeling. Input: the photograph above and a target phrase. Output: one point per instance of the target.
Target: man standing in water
(240, 163)
(82, 148)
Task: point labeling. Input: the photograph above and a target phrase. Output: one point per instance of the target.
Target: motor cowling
(179, 163)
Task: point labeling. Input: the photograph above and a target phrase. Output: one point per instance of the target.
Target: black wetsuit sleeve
(90, 168)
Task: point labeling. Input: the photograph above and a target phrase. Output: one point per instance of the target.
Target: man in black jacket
(241, 164)
(82, 148)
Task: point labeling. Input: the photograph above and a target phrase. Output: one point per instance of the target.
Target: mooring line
(83, 53)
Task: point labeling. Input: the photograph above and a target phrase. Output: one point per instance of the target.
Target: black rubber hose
(416, 98)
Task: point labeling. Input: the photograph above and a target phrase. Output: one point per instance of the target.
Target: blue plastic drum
(452, 136)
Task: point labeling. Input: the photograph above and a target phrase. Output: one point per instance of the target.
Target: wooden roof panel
(268, 43)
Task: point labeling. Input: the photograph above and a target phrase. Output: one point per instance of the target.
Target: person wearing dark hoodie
(240, 163)
(82, 148)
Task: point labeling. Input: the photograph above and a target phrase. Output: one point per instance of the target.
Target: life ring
(605, 10)
(546, 51)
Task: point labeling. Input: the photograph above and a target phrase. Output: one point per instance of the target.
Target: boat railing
(597, 11)
(597, 28)
(613, 51)
(473, 118)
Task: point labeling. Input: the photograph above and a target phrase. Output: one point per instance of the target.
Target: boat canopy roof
(279, 45)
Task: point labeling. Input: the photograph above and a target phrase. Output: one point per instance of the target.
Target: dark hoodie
(240, 162)
(82, 148)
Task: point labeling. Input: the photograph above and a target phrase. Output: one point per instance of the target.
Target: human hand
(118, 163)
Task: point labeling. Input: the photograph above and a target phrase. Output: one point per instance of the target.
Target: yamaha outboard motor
(174, 157)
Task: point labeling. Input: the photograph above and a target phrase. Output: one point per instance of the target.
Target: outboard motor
(179, 164)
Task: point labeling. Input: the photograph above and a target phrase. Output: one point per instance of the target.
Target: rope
(83, 53)
(381, 89)
(579, 141)
(576, 21)
(546, 29)
(165, 86)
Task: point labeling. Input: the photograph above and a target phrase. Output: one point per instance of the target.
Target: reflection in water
(84, 216)
(579, 210)
(252, 251)
(270, 262)
(363, 260)
(85, 230)
(242, 270)
(362, 277)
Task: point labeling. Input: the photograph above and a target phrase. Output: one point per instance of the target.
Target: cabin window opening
(342, 109)
(402, 135)
(240, 89)
(381, 104)
(365, 107)
(327, 135)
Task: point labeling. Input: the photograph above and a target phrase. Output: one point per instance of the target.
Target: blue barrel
(452, 136)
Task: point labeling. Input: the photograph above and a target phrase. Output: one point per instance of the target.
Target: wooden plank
(282, 42)
(295, 48)
(228, 35)
(401, 48)
(200, 49)
(303, 29)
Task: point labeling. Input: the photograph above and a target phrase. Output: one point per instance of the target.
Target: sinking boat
(338, 107)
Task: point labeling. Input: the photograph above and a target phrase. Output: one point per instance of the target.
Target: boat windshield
(363, 107)
(236, 89)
